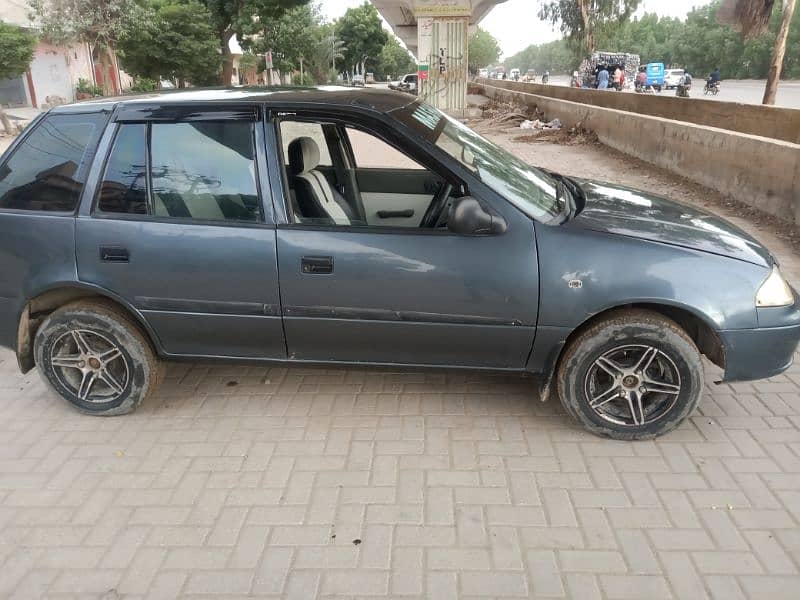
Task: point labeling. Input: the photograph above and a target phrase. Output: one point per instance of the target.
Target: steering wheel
(435, 208)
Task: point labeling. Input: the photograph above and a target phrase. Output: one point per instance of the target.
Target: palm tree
(751, 18)
(328, 51)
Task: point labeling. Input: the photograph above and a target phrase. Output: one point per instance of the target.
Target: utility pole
(302, 78)
(776, 66)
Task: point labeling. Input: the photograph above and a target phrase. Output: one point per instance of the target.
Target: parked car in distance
(672, 77)
(484, 73)
(357, 80)
(335, 226)
(408, 83)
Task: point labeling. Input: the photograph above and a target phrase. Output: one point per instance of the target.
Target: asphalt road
(747, 91)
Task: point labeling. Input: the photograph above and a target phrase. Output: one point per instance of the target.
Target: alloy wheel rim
(90, 366)
(632, 385)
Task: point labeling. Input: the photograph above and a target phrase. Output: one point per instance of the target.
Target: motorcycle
(711, 88)
(682, 90)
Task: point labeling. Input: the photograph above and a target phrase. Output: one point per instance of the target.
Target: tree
(98, 23)
(484, 50)
(16, 52)
(171, 39)
(329, 51)
(583, 19)
(362, 31)
(231, 18)
(292, 35)
(394, 60)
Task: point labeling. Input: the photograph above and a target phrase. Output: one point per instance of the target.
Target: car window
(204, 170)
(373, 153)
(124, 185)
(365, 193)
(291, 130)
(46, 172)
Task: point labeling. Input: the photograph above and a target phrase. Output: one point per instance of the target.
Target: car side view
(343, 226)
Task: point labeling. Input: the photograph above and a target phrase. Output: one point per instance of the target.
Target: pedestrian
(602, 79)
(617, 78)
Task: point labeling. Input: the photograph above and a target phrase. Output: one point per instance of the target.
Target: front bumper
(759, 353)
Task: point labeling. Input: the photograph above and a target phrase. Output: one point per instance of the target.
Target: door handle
(317, 265)
(114, 254)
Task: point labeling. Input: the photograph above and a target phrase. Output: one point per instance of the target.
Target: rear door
(176, 227)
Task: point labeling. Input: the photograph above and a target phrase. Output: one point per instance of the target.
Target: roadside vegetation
(698, 43)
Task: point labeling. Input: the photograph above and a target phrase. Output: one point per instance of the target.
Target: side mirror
(468, 217)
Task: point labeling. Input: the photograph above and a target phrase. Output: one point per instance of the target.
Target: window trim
(374, 127)
(151, 217)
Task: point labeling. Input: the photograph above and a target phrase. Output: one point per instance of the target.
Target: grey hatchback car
(335, 225)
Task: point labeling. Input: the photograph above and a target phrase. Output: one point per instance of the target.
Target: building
(55, 70)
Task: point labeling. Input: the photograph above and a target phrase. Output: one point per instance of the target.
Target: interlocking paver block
(309, 483)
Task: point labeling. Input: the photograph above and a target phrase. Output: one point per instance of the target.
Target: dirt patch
(573, 136)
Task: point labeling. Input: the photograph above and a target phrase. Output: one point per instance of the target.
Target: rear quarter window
(47, 170)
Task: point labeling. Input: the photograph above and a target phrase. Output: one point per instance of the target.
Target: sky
(516, 25)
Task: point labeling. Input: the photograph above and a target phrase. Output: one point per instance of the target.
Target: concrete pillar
(442, 50)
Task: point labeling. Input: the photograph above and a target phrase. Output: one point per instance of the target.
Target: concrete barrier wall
(757, 171)
(766, 121)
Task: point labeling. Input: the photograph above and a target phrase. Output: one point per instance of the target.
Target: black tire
(119, 383)
(626, 334)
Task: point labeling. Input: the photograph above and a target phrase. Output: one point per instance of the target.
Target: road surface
(747, 91)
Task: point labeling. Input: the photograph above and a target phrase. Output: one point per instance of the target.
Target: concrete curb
(758, 171)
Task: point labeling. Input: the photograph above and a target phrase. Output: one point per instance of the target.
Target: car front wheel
(95, 356)
(633, 375)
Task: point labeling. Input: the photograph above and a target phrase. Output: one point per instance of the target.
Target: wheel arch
(48, 299)
(697, 326)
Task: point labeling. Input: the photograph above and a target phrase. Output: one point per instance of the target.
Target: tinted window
(48, 169)
(124, 187)
(204, 170)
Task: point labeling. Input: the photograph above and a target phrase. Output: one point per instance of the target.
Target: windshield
(531, 190)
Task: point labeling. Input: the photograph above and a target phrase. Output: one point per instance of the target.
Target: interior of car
(342, 176)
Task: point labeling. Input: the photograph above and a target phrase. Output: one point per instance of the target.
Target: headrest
(303, 155)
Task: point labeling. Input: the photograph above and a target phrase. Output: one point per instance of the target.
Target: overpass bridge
(437, 33)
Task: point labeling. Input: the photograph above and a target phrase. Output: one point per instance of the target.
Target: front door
(177, 229)
(390, 291)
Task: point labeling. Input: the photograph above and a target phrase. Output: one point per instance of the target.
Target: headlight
(774, 291)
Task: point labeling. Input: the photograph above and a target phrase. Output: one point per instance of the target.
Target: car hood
(633, 213)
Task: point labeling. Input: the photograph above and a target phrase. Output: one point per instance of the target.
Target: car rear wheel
(95, 356)
(634, 375)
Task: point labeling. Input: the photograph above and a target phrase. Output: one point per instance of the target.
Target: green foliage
(291, 35)
(581, 20)
(394, 61)
(699, 43)
(560, 56)
(235, 18)
(87, 87)
(306, 79)
(171, 39)
(16, 50)
(143, 85)
(484, 50)
(362, 31)
(98, 22)
(328, 53)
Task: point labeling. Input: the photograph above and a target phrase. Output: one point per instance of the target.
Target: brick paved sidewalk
(303, 483)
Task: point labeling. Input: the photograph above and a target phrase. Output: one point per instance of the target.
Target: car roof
(378, 100)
